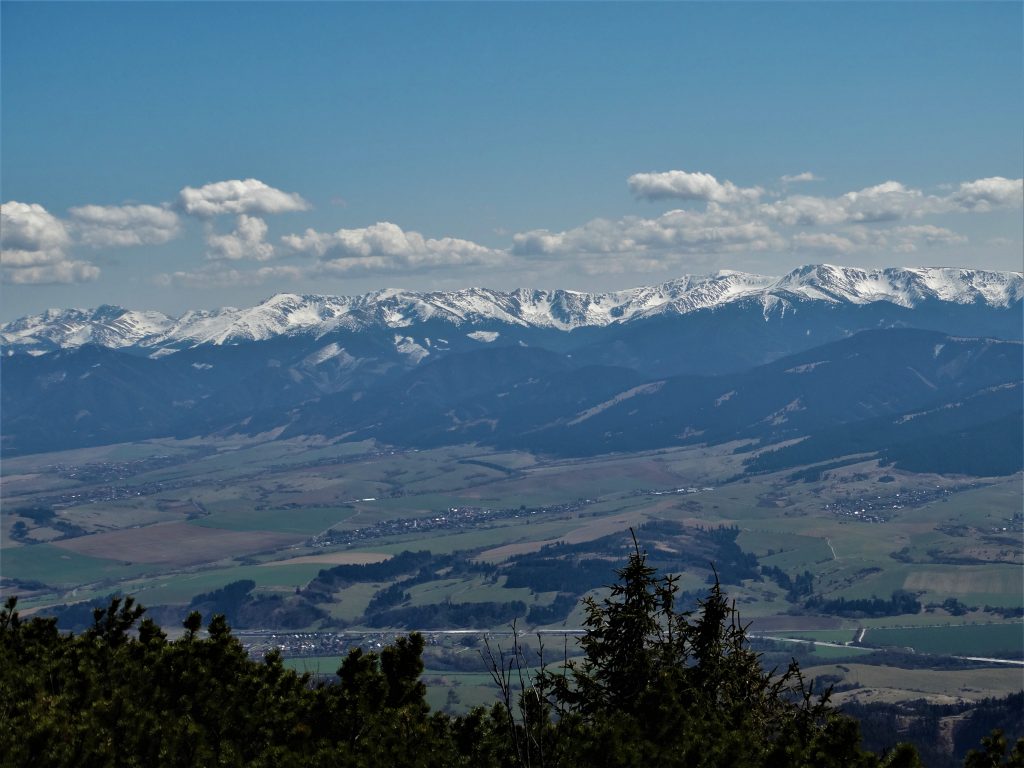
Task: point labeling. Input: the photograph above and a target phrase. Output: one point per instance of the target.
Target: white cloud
(246, 242)
(32, 248)
(218, 277)
(689, 186)
(385, 246)
(889, 201)
(823, 242)
(929, 234)
(986, 194)
(59, 272)
(893, 201)
(29, 227)
(103, 226)
(238, 196)
(861, 238)
(804, 211)
(799, 177)
(677, 232)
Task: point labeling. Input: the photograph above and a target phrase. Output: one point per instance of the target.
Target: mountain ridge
(478, 308)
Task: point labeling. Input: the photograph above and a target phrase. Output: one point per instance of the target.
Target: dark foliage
(559, 610)
(655, 687)
(930, 726)
(399, 565)
(661, 687)
(796, 587)
(899, 603)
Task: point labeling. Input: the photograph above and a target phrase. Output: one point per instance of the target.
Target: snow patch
(329, 352)
(643, 389)
(781, 416)
(806, 367)
(407, 346)
(485, 336)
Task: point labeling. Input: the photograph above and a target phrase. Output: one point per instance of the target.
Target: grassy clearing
(350, 603)
(799, 553)
(472, 590)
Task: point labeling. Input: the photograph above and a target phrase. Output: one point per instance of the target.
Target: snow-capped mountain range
(291, 314)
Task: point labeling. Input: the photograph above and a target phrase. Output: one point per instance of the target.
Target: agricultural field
(171, 521)
(869, 683)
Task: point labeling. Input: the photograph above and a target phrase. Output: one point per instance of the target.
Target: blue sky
(184, 155)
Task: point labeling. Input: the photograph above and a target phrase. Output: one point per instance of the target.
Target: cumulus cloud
(889, 201)
(104, 226)
(871, 219)
(904, 239)
(656, 240)
(33, 245)
(804, 211)
(799, 177)
(247, 241)
(986, 194)
(385, 246)
(892, 201)
(29, 227)
(689, 186)
(48, 274)
(238, 196)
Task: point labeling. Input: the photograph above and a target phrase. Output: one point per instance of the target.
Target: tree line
(654, 686)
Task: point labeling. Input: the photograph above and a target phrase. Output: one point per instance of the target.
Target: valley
(172, 520)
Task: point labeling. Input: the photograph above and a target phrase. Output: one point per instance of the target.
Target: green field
(309, 520)
(967, 639)
(470, 689)
(473, 590)
(181, 587)
(831, 652)
(824, 635)
(60, 568)
(315, 665)
(878, 683)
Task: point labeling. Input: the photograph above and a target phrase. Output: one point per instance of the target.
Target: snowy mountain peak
(906, 286)
(289, 313)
